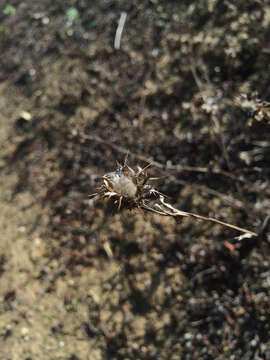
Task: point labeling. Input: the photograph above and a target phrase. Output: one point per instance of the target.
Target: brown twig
(158, 164)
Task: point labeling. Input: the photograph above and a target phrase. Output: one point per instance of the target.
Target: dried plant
(128, 188)
(258, 110)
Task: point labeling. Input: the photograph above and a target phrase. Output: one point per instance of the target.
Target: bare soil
(188, 90)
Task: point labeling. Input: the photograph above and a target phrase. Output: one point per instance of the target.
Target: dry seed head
(122, 184)
(127, 186)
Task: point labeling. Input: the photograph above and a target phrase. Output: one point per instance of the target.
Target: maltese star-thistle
(129, 189)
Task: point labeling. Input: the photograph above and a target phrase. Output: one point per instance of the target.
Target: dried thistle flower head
(129, 188)
(126, 186)
(121, 182)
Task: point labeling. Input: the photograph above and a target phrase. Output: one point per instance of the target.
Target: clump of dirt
(187, 91)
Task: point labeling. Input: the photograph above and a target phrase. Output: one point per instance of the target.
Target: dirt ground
(188, 91)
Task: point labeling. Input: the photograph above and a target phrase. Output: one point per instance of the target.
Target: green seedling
(9, 10)
(72, 14)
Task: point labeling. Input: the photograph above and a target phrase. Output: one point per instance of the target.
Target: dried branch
(128, 188)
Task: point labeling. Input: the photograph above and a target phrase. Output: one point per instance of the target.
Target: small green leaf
(72, 14)
(164, 16)
(47, 316)
(9, 10)
(91, 24)
(185, 293)
(230, 214)
(73, 305)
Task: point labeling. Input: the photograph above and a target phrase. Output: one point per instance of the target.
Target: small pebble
(26, 115)
(37, 242)
(45, 20)
(21, 229)
(254, 342)
(24, 331)
(188, 336)
(155, 52)
(32, 72)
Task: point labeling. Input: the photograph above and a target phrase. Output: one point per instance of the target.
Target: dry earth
(188, 91)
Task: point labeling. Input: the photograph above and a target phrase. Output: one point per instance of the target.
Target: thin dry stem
(166, 209)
